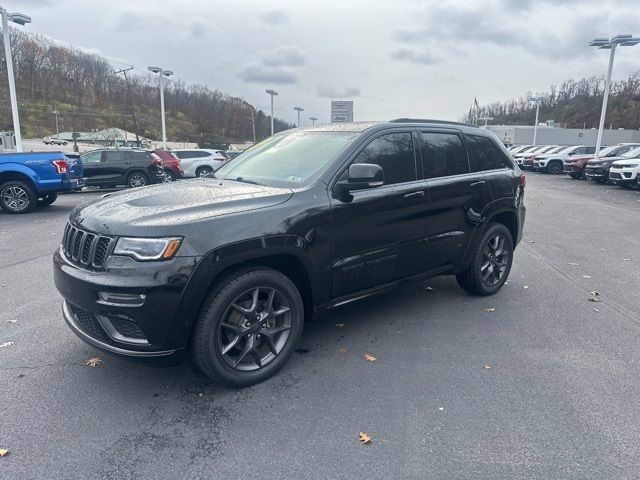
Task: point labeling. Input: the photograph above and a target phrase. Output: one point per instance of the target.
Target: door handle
(127, 163)
(414, 194)
(475, 184)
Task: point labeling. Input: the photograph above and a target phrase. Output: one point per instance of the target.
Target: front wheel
(168, 177)
(554, 168)
(47, 199)
(137, 179)
(491, 262)
(248, 327)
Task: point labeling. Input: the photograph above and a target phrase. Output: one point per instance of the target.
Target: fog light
(121, 299)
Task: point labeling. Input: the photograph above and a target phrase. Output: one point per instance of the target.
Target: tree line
(85, 89)
(571, 104)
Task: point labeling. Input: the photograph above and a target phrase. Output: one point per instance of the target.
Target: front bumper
(623, 176)
(130, 309)
(597, 173)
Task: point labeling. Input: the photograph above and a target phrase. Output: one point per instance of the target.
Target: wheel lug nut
(258, 335)
(248, 324)
(249, 335)
(264, 325)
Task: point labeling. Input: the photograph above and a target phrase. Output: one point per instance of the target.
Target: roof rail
(428, 120)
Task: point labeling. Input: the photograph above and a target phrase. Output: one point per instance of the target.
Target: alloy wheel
(167, 178)
(15, 198)
(254, 329)
(137, 180)
(495, 258)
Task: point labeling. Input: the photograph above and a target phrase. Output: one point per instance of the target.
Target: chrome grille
(85, 248)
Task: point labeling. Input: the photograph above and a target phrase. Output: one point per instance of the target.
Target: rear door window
(485, 154)
(443, 155)
(114, 156)
(394, 153)
(92, 157)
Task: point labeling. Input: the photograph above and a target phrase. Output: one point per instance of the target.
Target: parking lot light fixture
(272, 93)
(486, 119)
(611, 43)
(161, 74)
(538, 101)
(313, 120)
(298, 109)
(20, 19)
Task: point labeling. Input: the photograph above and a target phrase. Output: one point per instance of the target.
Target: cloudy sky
(395, 58)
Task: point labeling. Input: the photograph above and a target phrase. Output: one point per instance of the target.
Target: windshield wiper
(247, 180)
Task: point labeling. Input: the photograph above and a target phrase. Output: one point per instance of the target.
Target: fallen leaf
(525, 287)
(339, 325)
(602, 250)
(531, 241)
(364, 438)
(429, 289)
(21, 375)
(92, 362)
(441, 408)
(595, 296)
(490, 309)
(574, 264)
(6, 344)
(370, 358)
(625, 259)
(12, 321)
(487, 367)
(586, 276)
(342, 350)
(4, 452)
(596, 310)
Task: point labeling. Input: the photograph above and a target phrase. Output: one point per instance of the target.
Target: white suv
(624, 172)
(199, 162)
(554, 162)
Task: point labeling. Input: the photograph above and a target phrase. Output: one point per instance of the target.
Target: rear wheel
(248, 327)
(17, 196)
(491, 262)
(168, 177)
(575, 176)
(203, 171)
(47, 199)
(137, 179)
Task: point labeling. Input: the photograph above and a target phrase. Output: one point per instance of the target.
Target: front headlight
(148, 248)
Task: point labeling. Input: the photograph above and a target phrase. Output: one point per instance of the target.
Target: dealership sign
(341, 111)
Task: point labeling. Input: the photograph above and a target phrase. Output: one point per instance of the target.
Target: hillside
(572, 104)
(52, 78)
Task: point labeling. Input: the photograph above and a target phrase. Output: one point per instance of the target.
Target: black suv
(110, 167)
(309, 219)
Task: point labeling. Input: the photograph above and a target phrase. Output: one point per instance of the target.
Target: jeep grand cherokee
(229, 266)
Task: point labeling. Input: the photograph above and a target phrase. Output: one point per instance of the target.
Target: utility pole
(253, 124)
(133, 111)
(73, 116)
(56, 113)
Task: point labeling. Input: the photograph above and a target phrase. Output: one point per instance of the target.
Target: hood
(157, 209)
(605, 160)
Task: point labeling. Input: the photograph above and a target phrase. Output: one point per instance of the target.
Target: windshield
(556, 149)
(291, 159)
(635, 153)
(567, 150)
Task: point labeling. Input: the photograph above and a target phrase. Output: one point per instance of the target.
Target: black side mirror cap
(364, 175)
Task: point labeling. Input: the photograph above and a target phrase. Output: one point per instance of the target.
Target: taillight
(60, 166)
(523, 180)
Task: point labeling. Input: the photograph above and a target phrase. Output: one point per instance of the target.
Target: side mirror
(363, 175)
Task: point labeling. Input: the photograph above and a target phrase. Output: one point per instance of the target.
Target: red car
(170, 163)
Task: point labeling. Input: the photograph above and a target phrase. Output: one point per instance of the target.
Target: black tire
(137, 179)
(47, 199)
(575, 176)
(64, 143)
(472, 279)
(217, 314)
(554, 167)
(17, 196)
(203, 171)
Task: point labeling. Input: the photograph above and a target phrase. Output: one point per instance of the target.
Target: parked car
(308, 220)
(597, 170)
(199, 162)
(624, 171)
(111, 167)
(231, 154)
(576, 167)
(553, 163)
(520, 148)
(170, 164)
(54, 141)
(35, 178)
(529, 158)
(519, 157)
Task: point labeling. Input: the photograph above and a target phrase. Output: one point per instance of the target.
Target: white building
(523, 135)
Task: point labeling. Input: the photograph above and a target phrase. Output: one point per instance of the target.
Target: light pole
(161, 74)
(537, 101)
(272, 93)
(313, 120)
(73, 118)
(623, 40)
(56, 113)
(20, 19)
(298, 109)
(486, 119)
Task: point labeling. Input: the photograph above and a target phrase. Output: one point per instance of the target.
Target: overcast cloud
(402, 58)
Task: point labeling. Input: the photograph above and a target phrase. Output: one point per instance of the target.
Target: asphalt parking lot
(559, 399)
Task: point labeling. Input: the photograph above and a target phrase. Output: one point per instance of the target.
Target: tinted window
(589, 150)
(394, 153)
(91, 157)
(114, 156)
(140, 156)
(485, 154)
(443, 154)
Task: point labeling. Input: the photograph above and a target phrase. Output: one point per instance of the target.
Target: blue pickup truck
(35, 178)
